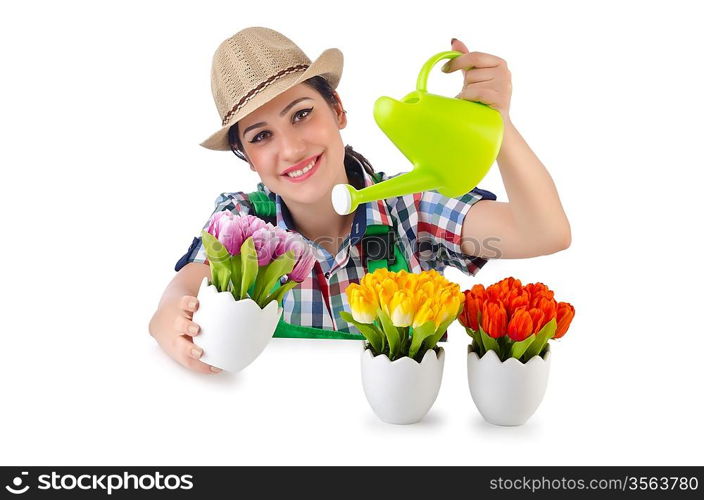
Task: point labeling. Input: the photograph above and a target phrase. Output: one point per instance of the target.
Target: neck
(319, 222)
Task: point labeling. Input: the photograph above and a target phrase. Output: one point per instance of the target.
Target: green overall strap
(263, 207)
(386, 234)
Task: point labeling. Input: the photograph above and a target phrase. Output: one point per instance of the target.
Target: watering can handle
(422, 84)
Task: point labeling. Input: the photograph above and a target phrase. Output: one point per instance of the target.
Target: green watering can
(451, 143)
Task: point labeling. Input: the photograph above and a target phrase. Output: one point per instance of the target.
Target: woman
(281, 114)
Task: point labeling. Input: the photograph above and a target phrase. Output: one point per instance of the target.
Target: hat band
(250, 95)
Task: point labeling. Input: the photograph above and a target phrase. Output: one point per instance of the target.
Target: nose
(293, 147)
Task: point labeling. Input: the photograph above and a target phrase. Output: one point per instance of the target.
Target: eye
(304, 112)
(254, 139)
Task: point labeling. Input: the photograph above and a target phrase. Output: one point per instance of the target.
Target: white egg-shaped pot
(401, 391)
(507, 393)
(233, 333)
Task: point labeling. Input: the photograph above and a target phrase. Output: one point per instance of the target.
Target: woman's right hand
(178, 341)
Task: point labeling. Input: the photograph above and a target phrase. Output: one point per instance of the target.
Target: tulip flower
(478, 291)
(449, 300)
(426, 312)
(538, 319)
(224, 226)
(401, 309)
(565, 313)
(469, 318)
(281, 238)
(363, 303)
(517, 299)
(386, 290)
(405, 280)
(549, 309)
(305, 258)
(538, 291)
(265, 242)
(494, 319)
(520, 326)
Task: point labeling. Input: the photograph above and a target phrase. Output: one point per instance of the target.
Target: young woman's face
(293, 142)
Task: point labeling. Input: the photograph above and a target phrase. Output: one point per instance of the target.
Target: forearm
(533, 198)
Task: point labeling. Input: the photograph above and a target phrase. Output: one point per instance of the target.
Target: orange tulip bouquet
(402, 315)
(514, 320)
(508, 360)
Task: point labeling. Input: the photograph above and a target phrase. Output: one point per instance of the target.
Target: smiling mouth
(305, 172)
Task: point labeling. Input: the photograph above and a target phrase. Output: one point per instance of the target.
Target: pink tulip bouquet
(249, 257)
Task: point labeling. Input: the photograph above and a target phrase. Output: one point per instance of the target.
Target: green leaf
(384, 343)
(259, 283)
(236, 269)
(518, 348)
(504, 347)
(391, 333)
(489, 343)
(481, 349)
(435, 338)
(407, 339)
(214, 250)
(419, 335)
(545, 334)
(370, 332)
(218, 259)
(272, 272)
(250, 266)
(278, 294)
(476, 340)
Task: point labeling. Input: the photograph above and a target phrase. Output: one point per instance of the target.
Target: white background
(103, 107)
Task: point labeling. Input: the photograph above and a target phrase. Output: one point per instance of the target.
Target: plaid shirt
(429, 237)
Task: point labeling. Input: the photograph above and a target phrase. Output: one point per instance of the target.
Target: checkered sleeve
(433, 226)
(237, 203)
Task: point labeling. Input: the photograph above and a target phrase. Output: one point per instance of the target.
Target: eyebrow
(283, 112)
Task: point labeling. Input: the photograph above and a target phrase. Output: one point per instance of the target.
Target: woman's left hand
(486, 78)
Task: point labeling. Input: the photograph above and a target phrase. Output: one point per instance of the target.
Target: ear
(340, 114)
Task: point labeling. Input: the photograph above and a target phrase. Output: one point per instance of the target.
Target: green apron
(385, 239)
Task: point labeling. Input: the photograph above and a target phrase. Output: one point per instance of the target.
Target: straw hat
(254, 66)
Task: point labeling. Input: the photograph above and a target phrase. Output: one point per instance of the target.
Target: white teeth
(298, 173)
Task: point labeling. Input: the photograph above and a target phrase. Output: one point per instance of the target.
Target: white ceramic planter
(509, 392)
(401, 391)
(232, 332)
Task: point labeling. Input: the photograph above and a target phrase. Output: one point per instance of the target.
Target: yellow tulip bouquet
(401, 313)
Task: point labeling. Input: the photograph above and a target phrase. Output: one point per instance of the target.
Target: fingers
(459, 46)
(185, 326)
(486, 95)
(479, 75)
(472, 60)
(189, 304)
(190, 354)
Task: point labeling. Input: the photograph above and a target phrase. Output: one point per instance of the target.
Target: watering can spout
(450, 142)
(346, 199)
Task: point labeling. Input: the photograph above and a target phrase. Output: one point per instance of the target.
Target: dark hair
(328, 93)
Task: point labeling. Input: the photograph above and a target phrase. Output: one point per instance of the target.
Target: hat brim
(328, 65)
